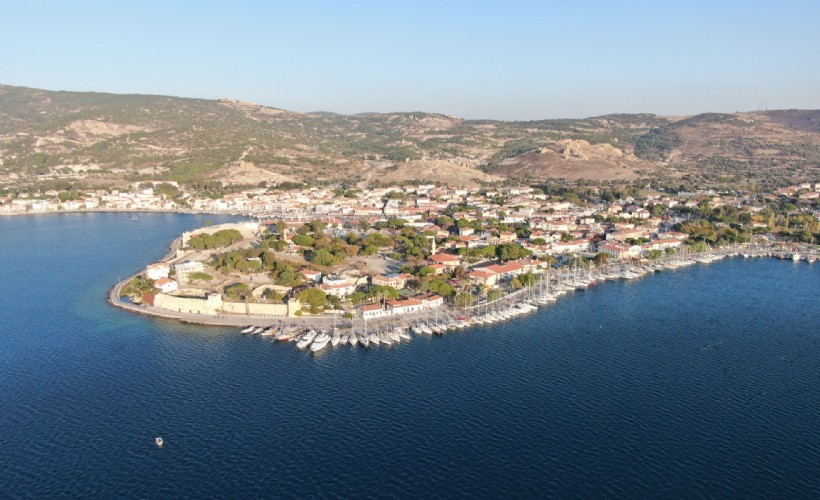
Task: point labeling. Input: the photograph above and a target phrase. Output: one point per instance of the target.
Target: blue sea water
(698, 382)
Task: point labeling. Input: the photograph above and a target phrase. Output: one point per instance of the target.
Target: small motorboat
(159, 442)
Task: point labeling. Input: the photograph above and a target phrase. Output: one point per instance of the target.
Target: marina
(553, 285)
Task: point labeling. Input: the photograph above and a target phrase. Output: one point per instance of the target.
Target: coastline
(563, 279)
(131, 211)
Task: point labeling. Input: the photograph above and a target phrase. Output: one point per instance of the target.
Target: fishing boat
(288, 334)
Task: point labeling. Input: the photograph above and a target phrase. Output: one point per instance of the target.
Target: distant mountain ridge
(109, 138)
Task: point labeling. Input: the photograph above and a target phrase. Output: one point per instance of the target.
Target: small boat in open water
(159, 442)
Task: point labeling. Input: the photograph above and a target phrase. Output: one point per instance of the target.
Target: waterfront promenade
(557, 277)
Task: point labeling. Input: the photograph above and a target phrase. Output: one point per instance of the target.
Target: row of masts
(551, 285)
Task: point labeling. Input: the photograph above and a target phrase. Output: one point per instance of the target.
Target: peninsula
(428, 257)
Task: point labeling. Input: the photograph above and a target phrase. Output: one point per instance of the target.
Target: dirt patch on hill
(451, 172)
(576, 159)
(246, 173)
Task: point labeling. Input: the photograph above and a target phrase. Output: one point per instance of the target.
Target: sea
(696, 382)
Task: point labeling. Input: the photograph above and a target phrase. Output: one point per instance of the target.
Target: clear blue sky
(504, 59)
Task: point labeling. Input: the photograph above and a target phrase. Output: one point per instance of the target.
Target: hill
(109, 139)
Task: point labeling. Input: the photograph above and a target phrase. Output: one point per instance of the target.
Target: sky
(504, 59)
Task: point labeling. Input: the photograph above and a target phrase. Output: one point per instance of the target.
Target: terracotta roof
(403, 303)
(370, 307)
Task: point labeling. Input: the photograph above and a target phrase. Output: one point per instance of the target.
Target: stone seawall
(211, 305)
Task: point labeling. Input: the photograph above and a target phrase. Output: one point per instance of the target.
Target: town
(412, 251)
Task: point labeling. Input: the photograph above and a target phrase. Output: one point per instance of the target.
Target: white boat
(425, 329)
(269, 331)
(354, 339)
(416, 329)
(335, 339)
(394, 336)
(403, 335)
(364, 340)
(385, 339)
(345, 339)
(248, 329)
(159, 442)
(322, 340)
(306, 339)
(374, 339)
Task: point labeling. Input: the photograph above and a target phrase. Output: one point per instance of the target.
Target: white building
(185, 269)
(371, 311)
(157, 271)
(166, 285)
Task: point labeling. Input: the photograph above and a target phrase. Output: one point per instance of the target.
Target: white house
(406, 306)
(157, 271)
(338, 289)
(371, 311)
(166, 285)
(431, 301)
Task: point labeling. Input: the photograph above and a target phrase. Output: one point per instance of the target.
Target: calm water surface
(699, 382)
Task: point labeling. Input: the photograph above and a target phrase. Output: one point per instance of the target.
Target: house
(397, 281)
(446, 259)
(371, 311)
(573, 246)
(506, 270)
(166, 285)
(431, 301)
(626, 234)
(483, 277)
(675, 234)
(438, 268)
(533, 265)
(619, 249)
(662, 244)
(503, 237)
(157, 271)
(407, 306)
(333, 279)
(340, 290)
(311, 275)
